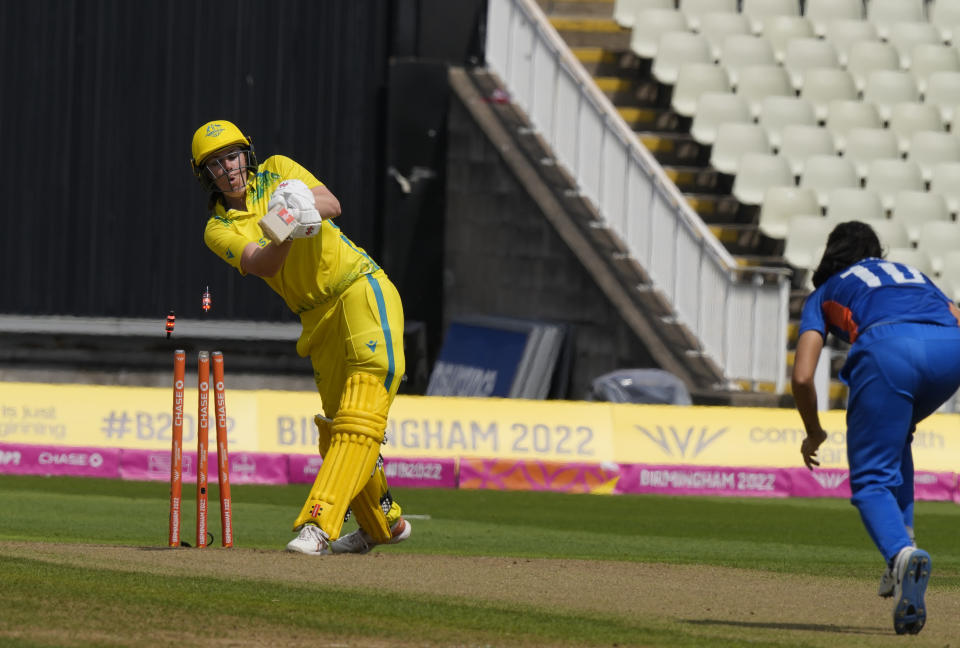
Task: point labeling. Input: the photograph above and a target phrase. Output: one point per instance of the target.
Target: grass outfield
(74, 571)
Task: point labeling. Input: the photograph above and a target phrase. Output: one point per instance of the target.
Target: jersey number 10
(895, 271)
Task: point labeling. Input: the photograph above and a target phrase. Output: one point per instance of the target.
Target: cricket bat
(278, 224)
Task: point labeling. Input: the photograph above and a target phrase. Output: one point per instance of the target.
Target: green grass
(794, 536)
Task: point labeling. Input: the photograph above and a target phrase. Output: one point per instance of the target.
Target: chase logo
(687, 443)
(214, 130)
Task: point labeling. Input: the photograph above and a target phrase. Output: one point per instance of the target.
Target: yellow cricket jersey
(317, 269)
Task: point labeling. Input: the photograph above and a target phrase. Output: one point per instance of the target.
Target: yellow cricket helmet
(212, 137)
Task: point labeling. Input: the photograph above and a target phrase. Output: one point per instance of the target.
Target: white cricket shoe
(888, 581)
(360, 542)
(912, 570)
(312, 540)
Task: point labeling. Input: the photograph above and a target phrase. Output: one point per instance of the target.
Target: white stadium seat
(913, 257)
(891, 233)
(733, 141)
(843, 115)
(806, 53)
(824, 173)
(936, 238)
(780, 203)
(715, 108)
(823, 85)
(625, 11)
(913, 208)
(676, 48)
(780, 30)
(864, 57)
(945, 180)
(885, 88)
(930, 148)
(945, 15)
(887, 177)
(883, 13)
(905, 35)
(742, 50)
(694, 10)
(943, 91)
(863, 145)
(806, 237)
(759, 10)
(693, 80)
(823, 12)
(844, 33)
(716, 27)
(757, 82)
(756, 172)
(778, 112)
(651, 25)
(801, 142)
(854, 203)
(927, 59)
(909, 117)
(949, 280)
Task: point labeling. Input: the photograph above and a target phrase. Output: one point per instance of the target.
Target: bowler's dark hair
(848, 243)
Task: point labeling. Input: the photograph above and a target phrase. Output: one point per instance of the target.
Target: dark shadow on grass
(811, 627)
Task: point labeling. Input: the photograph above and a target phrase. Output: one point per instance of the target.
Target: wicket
(203, 425)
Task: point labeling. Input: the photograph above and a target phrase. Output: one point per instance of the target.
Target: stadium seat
(843, 115)
(864, 57)
(780, 203)
(936, 238)
(844, 33)
(863, 145)
(908, 117)
(625, 11)
(904, 36)
(693, 80)
(715, 108)
(949, 279)
(943, 91)
(854, 203)
(823, 12)
(650, 26)
(780, 30)
(887, 177)
(801, 142)
(676, 48)
(805, 53)
(883, 13)
(806, 237)
(891, 233)
(927, 59)
(733, 141)
(716, 27)
(694, 10)
(823, 85)
(758, 82)
(759, 10)
(742, 50)
(945, 15)
(777, 112)
(756, 172)
(913, 257)
(930, 148)
(884, 88)
(824, 173)
(945, 180)
(913, 208)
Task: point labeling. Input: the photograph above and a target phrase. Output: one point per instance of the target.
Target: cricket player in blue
(903, 364)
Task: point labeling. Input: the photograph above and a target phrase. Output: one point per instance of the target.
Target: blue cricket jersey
(874, 291)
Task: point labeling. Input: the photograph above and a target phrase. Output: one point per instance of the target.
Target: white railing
(739, 318)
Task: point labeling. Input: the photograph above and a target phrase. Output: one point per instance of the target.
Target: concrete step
(599, 8)
(605, 62)
(591, 31)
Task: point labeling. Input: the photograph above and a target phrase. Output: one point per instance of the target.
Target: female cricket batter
(903, 364)
(352, 327)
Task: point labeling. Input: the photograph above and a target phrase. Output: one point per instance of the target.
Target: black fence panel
(98, 103)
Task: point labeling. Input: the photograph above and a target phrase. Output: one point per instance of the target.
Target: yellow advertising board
(557, 431)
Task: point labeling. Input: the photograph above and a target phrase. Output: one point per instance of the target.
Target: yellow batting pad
(357, 432)
(367, 511)
(323, 433)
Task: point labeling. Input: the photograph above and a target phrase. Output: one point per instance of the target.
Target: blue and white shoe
(360, 542)
(912, 569)
(312, 541)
